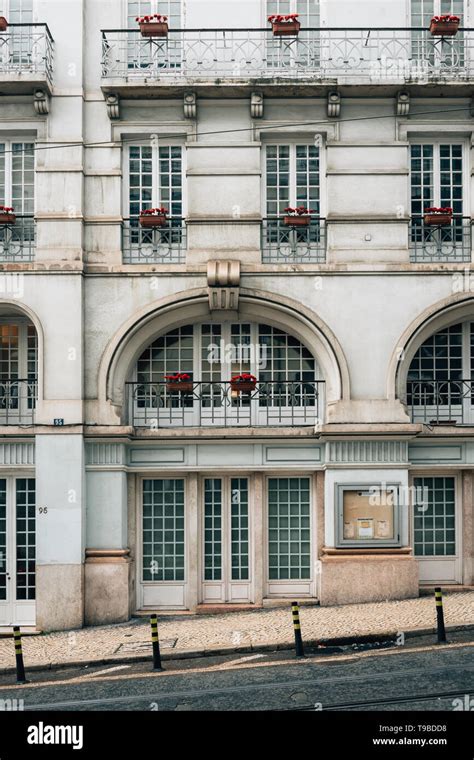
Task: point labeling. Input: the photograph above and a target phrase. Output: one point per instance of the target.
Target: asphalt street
(418, 676)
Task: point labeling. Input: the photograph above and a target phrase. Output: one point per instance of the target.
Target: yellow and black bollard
(297, 626)
(440, 616)
(155, 643)
(20, 668)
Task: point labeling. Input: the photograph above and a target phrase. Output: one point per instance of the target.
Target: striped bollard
(440, 616)
(20, 667)
(155, 643)
(297, 627)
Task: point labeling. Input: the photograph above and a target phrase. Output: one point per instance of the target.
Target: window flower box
(153, 26)
(438, 217)
(6, 215)
(285, 26)
(444, 26)
(245, 383)
(298, 217)
(179, 383)
(153, 217)
(3, 24)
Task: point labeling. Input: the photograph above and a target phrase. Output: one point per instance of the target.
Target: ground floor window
(289, 541)
(434, 517)
(163, 530)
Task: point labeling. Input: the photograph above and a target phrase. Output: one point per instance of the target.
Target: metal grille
(239, 529)
(25, 538)
(289, 547)
(163, 530)
(434, 517)
(3, 539)
(212, 529)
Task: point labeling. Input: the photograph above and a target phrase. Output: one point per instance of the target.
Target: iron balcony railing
(288, 403)
(18, 241)
(27, 49)
(438, 402)
(450, 243)
(157, 245)
(285, 244)
(17, 402)
(376, 55)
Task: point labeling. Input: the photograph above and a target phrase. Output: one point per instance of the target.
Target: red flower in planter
(245, 377)
(179, 377)
(299, 211)
(155, 17)
(279, 19)
(434, 210)
(6, 209)
(154, 211)
(446, 18)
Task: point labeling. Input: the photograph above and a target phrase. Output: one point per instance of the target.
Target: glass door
(226, 572)
(17, 551)
(435, 534)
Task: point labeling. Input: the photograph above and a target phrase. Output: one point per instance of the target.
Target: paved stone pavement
(235, 630)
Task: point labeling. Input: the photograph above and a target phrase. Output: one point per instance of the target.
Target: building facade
(345, 473)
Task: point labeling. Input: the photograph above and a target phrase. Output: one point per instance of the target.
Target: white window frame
(5, 10)
(293, 9)
(157, 6)
(8, 158)
(436, 12)
(293, 141)
(436, 142)
(141, 141)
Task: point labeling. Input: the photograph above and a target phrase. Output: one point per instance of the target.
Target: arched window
(440, 386)
(287, 388)
(18, 371)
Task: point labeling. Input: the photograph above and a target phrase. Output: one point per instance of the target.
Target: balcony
(211, 404)
(17, 241)
(159, 245)
(282, 244)
(315, 56)
(17, 402)
(26, 58)
(432, 244)
(441, 402)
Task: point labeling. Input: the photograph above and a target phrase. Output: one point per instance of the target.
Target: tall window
(436, 171)
(155, 179)
(292, 177)
(170, 8)
(435, 518)
(18, 370)
(308, 10)
(17, 176)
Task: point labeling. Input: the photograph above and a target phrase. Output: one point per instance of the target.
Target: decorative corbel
(334, 104)
(190, 105)
(223, 280)
(112, 102)
(403, 103)
(41, 102)
(256, 105)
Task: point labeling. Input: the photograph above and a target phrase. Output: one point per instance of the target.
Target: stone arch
(254, 305)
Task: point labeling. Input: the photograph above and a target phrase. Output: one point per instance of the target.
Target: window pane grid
(212, 529)
(434, 517)
(239, 534)
(289, 528)
(25, 538)
(3, 539)
(163, 530)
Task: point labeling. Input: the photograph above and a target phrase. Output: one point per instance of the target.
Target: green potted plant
(285, 26)
(6, 215)
(298, 217)
(444, 26)
(438, 217)
(180, 382)
(153, 26)
(153, 217)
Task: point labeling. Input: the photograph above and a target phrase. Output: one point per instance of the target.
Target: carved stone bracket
(190, 105)
(223, 280)
(113, 106)
(334, 104)
(403, 103)
(41, 102)
(256, 105)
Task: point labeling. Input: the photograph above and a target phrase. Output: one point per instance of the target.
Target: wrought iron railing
(18, 241)
(27, 49)
(285, 244)
(289, 403)
(450, 243)
(157, 245)
(377, 55)
(438, 402)
(17, 402)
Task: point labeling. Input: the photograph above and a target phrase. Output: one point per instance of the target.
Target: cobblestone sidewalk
(235, 630)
